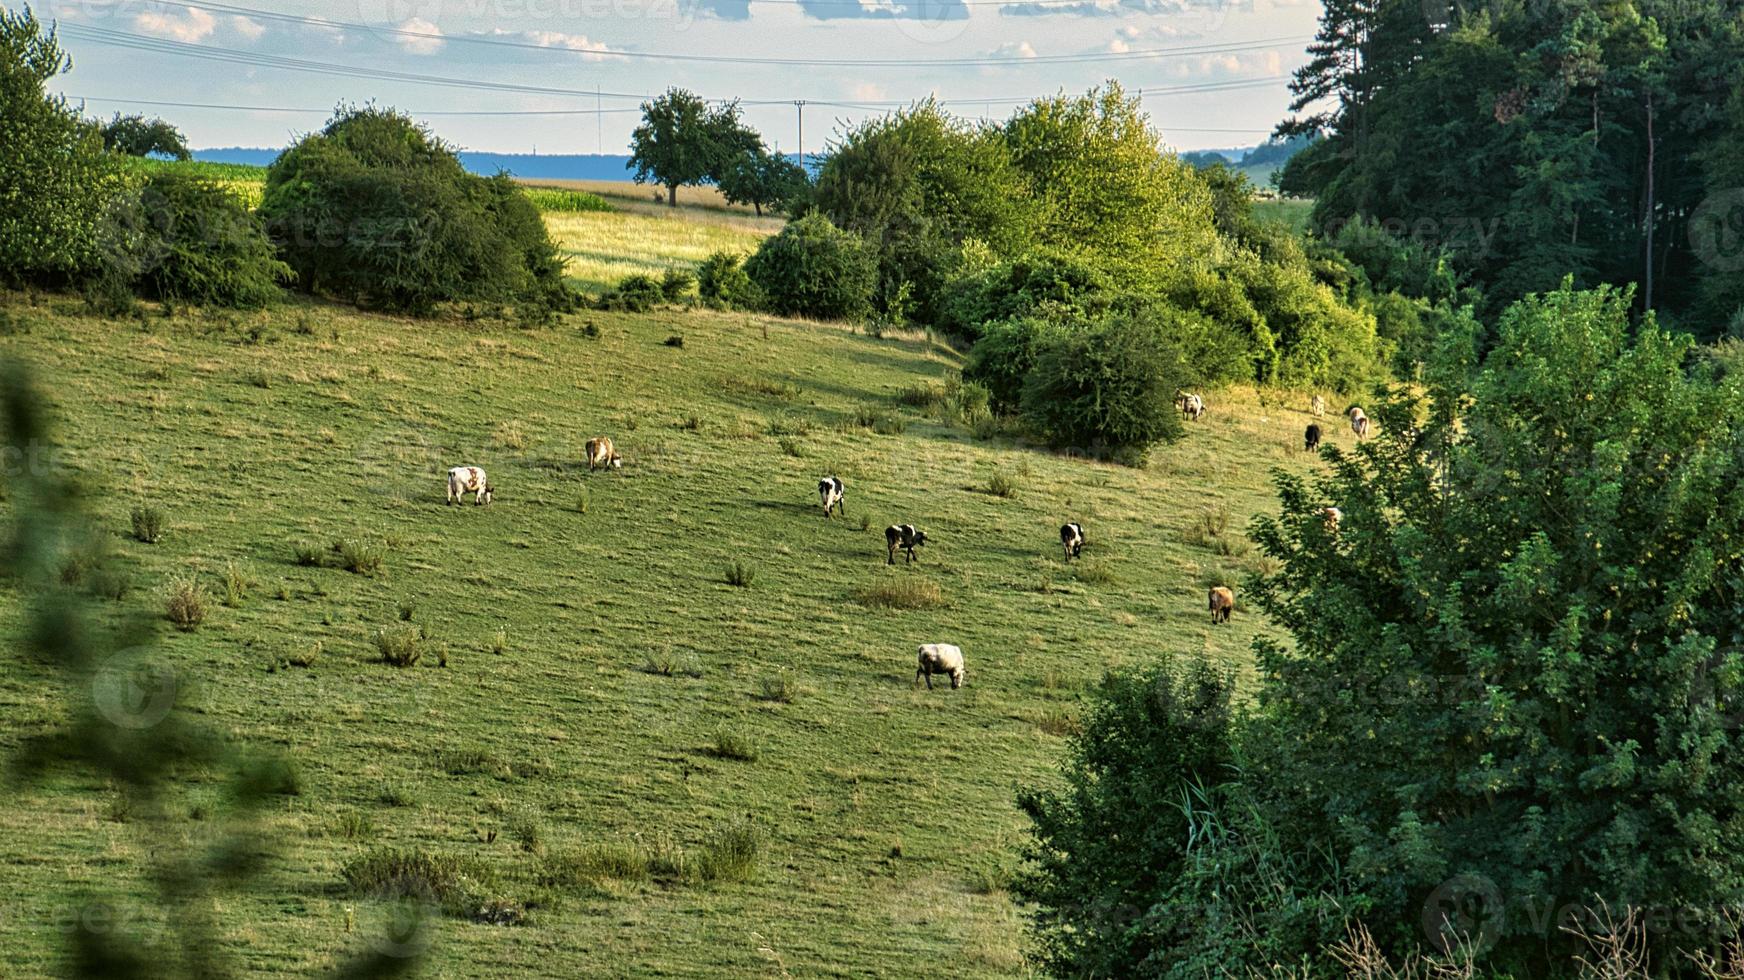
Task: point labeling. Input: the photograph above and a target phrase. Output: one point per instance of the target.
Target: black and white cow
(1311, 438)
(830, 491)
(1071, 540)
(902, 536)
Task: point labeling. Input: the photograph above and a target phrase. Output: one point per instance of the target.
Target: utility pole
(599, 121)
(800, 105)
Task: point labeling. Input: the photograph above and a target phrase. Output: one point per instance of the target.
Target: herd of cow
(935, 658)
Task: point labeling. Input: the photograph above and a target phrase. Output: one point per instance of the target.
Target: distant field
(604, 248)
(887, 813)
(1293, 212)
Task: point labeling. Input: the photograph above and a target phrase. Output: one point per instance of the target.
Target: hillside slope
(888, 811)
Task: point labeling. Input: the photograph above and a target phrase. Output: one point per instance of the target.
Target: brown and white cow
(940, 658)
(1222, 603)
(601, 452)
(463, 480)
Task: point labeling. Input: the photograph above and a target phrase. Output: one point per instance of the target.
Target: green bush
(635, 293)
(185, 604)
(376, 210)
(814, 269)
(721, 281)
(1005, 356)
(58, 183)
(1109, 386)
(148, 524)
(675, 284)
(197, 243)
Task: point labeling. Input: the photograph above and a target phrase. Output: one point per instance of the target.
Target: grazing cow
(601, 452)
(1191, 404)
(463, 480)
(1072, 540)
(1359, 423)
(1331, 515)
(902, 536)
(940, 658)
(1311, 438)
(1317, 405)
(1222, 604)
(830, 491)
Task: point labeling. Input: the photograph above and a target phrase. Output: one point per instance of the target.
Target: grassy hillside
(606, 691)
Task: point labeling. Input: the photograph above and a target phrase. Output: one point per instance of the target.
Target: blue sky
(578, 46)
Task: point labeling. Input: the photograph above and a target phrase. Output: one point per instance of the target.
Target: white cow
(463, 480)
(940, 658)
(830, 492)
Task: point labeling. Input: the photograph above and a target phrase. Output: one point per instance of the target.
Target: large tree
(141, 137)
(761, 179)
(683, 141)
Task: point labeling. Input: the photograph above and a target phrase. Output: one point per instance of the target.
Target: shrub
(741, 575)
(814, 269)
(499, 644)
(199, 244)
(376, 210)
(401, 646)
(729, 744)
(1005, 356)
(902, 593)
(306, 657)
(721, 281)
(635, 293)
(185, 604)
(676, 340)
(1110, 385)
(148, 524)
(676, 284)
(669, 664)
(306, 553)
(457, 885)
(592, 864)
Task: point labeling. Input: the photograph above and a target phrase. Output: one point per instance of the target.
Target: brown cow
(1222, 604)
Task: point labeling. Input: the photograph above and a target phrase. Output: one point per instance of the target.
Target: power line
(980, 61)
(122, 39)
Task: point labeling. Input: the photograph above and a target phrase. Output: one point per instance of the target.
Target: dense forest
(1535, 141)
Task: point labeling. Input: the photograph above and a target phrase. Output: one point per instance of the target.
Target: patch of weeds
(1001, 485)
(731, 852)
(730, 744)
(780, 689)
(1094, 571)
(185, 604)
(408, 609)
(740, 575)
(236, 584)
(306, 553)
(890, 425)
(400, 647)
(669, 664)
(1053, 721)
(360, 557)
(396, 795)
(791, 447)
(499, 643)
(306, 657)
(352, 825)
(676, 340)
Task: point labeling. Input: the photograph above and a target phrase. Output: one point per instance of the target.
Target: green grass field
(606, 691)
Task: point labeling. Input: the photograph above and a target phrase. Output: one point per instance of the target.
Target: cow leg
(929, 677)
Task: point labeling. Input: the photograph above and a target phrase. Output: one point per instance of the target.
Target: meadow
(597, 703)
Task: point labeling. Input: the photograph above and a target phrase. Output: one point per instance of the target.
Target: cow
(1222, 603)
(830, 491)
(1311, 438)
(1331, 515)
(1359, 423)
(902, 536)
(1317, 405)
(601, 452)
(1071, 540)
(1192, 405)
(940, 658)
(463, 480)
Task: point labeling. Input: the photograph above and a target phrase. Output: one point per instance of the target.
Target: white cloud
(195, 26)
(1014, 49)
(248, 28)
(869, 92)
(574, 42)
(420, 45)
(1230, 66)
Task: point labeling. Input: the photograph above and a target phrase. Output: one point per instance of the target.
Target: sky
(518, 76)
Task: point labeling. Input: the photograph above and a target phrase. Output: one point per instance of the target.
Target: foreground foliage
(1513, 685)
